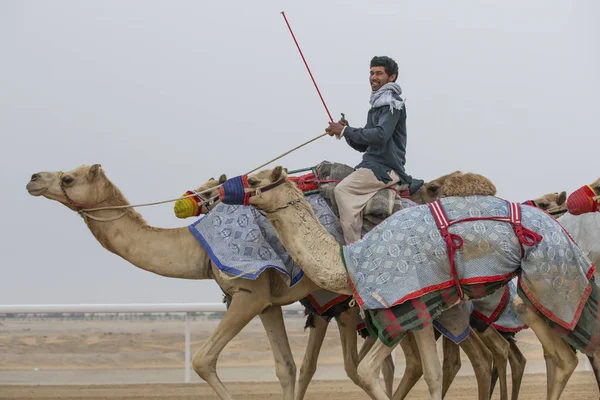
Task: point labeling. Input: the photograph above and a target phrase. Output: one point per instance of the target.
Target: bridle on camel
(237, 191)
(80, 207)
(554, 211)
(259, 191)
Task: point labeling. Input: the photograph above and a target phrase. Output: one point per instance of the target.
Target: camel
(478, 354)
(203, 200)
(583, 229)
(176, 253)
(318, 254)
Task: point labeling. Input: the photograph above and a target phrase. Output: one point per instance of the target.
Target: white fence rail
(185, 308)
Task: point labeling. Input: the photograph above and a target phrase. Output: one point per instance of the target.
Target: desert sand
(44, 358)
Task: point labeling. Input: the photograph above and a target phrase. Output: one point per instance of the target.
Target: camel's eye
(253, 182)
(433, 188)
(67, 180)
(543, 206)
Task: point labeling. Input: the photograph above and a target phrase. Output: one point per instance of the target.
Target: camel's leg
(451, 364)
(285, 367)
(316, 337)
(368, 370)
(563, 358)
(550, 369)
(481, 361)
(366, 346)
(387, 369)
(517, 368)
(347, 326)
(595, 363)
(499, 348)
(432, 370)
(414, 367)
(243, 308)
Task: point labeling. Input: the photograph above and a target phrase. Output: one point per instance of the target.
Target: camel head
(553, 203)
(455, 184)
(267, 190)
(202, 199)
(584, 199)
(81, 187)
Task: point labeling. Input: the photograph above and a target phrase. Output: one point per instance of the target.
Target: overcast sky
(167, 94)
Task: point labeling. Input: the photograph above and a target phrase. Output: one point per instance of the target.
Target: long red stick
(307, 67)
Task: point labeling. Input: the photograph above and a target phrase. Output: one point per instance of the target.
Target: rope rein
(203, 202)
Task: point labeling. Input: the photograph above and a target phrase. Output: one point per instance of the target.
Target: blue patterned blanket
(242, 243)
(405, 257)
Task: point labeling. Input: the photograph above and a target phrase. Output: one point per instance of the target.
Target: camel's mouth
(36, 191)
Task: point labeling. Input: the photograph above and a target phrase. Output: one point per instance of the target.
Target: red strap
(305, 182)
(526, 236)
(453, 241)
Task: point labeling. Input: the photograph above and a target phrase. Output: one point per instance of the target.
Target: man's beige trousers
(352, 194)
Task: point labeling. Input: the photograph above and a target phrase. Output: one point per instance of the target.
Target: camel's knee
(367, 374)
(454, 363)
(433, 379)
(547, 356)
(414, 366)
(352, 372)
(388, 365)
(203, 366)
(307, 371)
(567, 363)
(286, 372)
(486, 358)
(504, 347)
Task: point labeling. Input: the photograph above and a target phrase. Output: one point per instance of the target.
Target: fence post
(187, 347)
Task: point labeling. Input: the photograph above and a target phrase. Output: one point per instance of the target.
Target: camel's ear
(94, 170)
(211, 179)
(562, 197)
(278, 173)
(223, 179)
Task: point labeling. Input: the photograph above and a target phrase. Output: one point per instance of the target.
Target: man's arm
(377, 135)
(358, 147)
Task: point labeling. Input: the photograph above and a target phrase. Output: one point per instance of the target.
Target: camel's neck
(173, 253)
(310, 245)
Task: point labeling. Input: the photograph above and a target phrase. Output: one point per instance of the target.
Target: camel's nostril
(35, 176)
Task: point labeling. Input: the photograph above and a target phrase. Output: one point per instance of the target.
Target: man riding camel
(383, 142)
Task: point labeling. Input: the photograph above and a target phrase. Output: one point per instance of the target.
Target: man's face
(378, 78)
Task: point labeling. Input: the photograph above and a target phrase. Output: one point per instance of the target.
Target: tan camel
(176, 253)
(480, 357)
(579, 228)
(205, 200)
(317, 253)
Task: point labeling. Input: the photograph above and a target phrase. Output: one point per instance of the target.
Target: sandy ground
(581, 387)
(118, 359)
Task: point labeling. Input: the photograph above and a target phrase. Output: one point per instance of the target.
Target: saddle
(325, 177)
